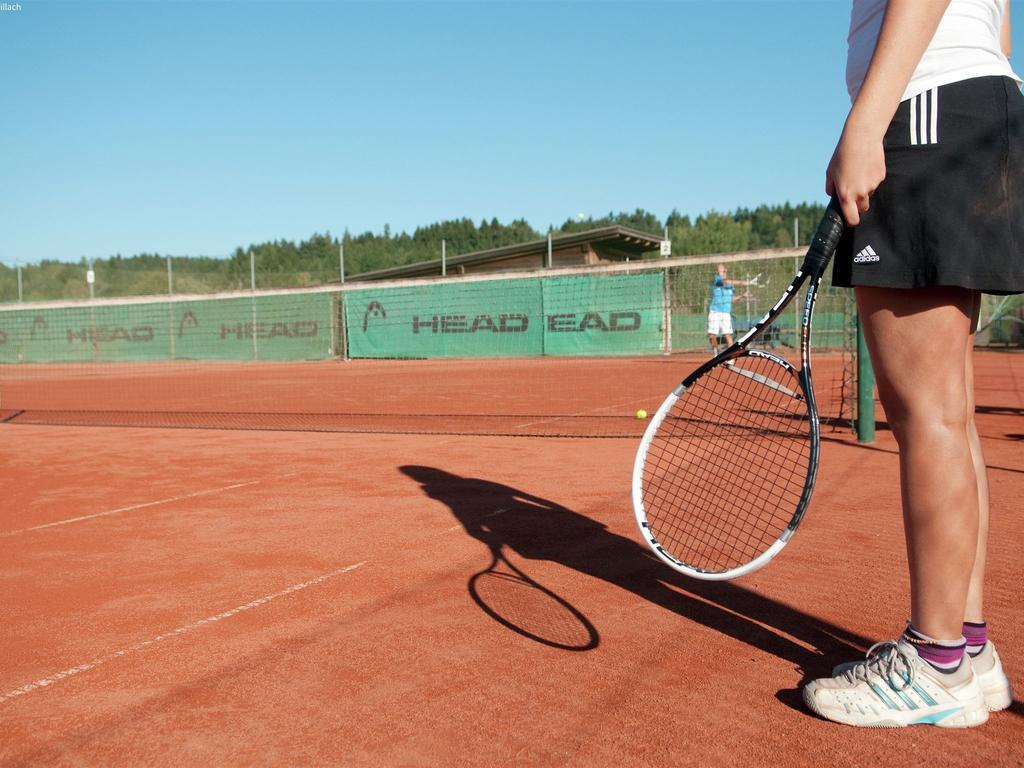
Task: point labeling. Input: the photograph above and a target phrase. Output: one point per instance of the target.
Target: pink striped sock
(945, 657)
(976, 634)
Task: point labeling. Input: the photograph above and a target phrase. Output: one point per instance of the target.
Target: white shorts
(719, 324)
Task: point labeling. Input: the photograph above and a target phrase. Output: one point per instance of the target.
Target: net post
(865, 390)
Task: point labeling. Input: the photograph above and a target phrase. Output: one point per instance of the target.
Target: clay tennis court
(293, 597)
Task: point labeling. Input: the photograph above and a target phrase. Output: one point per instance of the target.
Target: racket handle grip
(826, 238)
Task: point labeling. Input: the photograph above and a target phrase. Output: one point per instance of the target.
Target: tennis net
(575, 352)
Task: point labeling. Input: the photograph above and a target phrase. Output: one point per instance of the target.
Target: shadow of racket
(520, 604)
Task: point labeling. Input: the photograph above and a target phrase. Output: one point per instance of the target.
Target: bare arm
(1004, 38)
(858, 163)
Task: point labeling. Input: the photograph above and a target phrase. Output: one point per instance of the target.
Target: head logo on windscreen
(373, 309)
(39, 326)
(188, 320)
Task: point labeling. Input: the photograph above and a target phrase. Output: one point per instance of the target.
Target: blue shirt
(721, 295)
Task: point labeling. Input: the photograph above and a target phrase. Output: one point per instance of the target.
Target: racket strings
(726, 469)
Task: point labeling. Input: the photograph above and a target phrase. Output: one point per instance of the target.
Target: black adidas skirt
(951, 208)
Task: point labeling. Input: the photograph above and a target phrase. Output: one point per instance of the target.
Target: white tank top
(965, 45)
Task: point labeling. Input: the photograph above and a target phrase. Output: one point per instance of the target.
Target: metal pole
(548, 261)
(865, 390)
(170, 308)
(666, 320)
(339, 315)
(747, 291)
(796, 309)
(252, 277)
(342, 319)
(796, 233)
(21, 295)
(444, 259)
(90, 278)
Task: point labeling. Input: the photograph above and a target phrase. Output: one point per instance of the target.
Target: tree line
(315, 261)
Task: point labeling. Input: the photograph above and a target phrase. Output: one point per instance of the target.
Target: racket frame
(822, 247)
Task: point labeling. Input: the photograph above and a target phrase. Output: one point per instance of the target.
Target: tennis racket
(755, 281)
(726, 466)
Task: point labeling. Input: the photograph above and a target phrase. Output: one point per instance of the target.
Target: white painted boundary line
(66, 673)
(461, 527)
(130, 508)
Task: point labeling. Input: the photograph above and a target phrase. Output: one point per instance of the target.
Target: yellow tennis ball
(641, 414)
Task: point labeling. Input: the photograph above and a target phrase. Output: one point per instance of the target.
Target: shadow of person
(539, 529)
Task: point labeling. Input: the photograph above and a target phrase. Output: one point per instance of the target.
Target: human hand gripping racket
(727, 464)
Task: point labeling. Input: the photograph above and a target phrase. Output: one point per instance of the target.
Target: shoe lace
(888, 661)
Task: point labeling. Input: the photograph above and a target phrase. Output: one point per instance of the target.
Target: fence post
(170, 307)
(666, 300)
(252, 282)
(21, 296)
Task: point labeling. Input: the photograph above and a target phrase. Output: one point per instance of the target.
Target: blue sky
(190, 128)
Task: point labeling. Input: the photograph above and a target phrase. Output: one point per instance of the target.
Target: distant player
(720, 311)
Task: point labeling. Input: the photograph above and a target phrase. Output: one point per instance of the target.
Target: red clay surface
(532, 396)
(213, 597)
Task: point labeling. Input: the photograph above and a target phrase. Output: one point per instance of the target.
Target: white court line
(66, 673)
(142, 506)
(461, 527)
(129, 508)
(591, 412)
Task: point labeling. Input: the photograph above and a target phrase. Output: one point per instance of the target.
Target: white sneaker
(894, 687)
(995, 685)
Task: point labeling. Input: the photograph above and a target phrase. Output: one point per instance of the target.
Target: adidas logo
(866, 255)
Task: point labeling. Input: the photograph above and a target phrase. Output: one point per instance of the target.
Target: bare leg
(975, 593)
(919, 342)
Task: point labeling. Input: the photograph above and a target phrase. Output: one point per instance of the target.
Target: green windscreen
(567, 316)
(291, 327)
